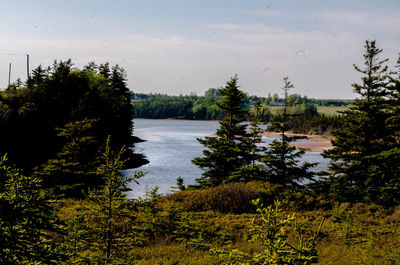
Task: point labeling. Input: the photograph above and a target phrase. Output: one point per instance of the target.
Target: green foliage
(149, 214)
(178, 107)
(62, 96)
(102, 230)
(179, 184)
(282, 163)
(228, 151)
(372, 233)
(271, 231)
(251, 149)
(281, 159)
(225, 198)
(192, 107)
(27, 221)
(111, 209)
(73, 169)
(237, 197)
(348, 232)
(364, 161)
(189, 234)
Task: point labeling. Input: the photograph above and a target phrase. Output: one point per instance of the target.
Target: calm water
(171, 145)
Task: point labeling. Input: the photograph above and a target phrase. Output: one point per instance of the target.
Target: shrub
(225, 198)
(237, 197)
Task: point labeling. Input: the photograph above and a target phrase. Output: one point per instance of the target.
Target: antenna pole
(27, 65)
(9, 74)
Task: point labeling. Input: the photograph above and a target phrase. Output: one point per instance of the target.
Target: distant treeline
(193, 107)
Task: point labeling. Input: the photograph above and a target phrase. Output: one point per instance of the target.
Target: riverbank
(314, 143)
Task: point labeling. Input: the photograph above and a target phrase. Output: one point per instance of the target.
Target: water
(171, 145)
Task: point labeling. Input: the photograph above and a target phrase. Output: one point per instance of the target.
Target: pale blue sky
(183, 46)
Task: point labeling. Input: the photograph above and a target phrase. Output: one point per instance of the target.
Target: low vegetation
(168, 231)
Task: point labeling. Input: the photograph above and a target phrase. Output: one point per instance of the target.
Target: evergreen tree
(73, 170)
(387, 165)
(253, 151)
(281, 159)
(27, 220)
(225, 153)
(59, 95)
(354, 165)
(111, 212)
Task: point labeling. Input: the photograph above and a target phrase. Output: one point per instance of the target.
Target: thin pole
(27, 66)
(9, 74)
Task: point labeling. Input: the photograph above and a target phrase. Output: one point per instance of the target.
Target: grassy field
(326, 110)
(187, 226)
(331, 110)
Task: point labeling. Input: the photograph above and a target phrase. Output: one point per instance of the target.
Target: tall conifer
(225, 153)
(354, 164)
(252, 150)
(281, 159)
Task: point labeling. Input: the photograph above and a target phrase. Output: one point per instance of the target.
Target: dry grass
(351, 234)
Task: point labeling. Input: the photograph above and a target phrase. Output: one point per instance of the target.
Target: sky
(183, 46)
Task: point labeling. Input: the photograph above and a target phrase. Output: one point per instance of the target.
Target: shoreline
(315, 143)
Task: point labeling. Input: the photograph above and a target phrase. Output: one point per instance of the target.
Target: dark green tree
(281, 159)
(387, 166)
(225, 153)
(59, 95)
(252, 149)
(73, 170)
(356, 173)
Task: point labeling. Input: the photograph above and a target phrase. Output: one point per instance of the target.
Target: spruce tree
(111, 211)
(226, 152)
(387, 165)
(281, 159)
(354, 165)
(73, 171)
(253, 151)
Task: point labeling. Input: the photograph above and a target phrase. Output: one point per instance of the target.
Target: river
(170, 145)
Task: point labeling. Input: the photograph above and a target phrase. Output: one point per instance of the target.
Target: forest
(66, 135)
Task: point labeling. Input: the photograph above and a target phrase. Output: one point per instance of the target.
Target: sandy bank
(315, 143)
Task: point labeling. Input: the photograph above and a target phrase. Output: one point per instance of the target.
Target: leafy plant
(27, 220)
(271, 231)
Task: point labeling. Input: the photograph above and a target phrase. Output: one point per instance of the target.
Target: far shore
(316, 143)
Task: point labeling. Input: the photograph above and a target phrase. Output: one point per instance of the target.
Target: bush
(237, 197)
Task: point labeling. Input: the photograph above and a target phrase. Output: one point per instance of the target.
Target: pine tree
(387, 165)
(281, 159)
(111, 211)
(253, 151)
(73, 170)
(354, 164)
(226, 153)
